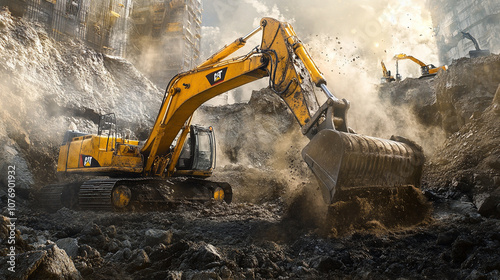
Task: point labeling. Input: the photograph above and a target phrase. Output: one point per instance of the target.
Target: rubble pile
(247, 241)
(463, 102)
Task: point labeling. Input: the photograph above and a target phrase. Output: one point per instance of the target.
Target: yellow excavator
(387, 77)
(427, 70)
(171, 163)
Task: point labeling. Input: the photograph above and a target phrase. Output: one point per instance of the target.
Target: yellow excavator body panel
(99, 154)
(437, 69)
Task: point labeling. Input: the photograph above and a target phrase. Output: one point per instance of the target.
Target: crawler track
(146, 193)
(96, 194)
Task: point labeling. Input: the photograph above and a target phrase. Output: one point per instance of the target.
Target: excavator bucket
(343, 161)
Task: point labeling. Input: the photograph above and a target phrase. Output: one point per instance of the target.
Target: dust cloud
(347, 40)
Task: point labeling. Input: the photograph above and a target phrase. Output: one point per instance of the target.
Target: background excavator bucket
(343, 161)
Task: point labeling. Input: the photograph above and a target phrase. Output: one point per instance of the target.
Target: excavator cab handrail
(107, 122)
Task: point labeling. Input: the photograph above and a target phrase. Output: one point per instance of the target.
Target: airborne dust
(347, 41)
(347, 44)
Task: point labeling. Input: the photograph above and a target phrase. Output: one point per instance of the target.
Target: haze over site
(347, 40)
(370, 30)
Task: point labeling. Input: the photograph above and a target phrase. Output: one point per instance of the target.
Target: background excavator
(386, 74)
(478, 52)
(427, 70)
(168, 165)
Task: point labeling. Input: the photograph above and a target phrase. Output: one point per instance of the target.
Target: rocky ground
(276, 228)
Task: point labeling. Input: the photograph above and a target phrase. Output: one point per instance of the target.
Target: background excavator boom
(478, 52)
(426, 69)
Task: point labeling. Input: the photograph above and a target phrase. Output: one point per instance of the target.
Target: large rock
(7, 227)
(11, 157)
(208, 253)
(138, 260)
(69, 245)
(488, 204)
(157, 236)
(199, 256)
(25, 265)
(50, 263)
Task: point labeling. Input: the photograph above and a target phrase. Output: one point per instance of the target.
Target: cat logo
(87, 161)
(217, 76)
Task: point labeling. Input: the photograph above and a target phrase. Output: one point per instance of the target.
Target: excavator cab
(107, 127)
(198, 154)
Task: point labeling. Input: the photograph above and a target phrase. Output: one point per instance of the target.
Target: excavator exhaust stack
(343, 161)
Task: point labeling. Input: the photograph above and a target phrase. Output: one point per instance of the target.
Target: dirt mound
(416, 94)
(466, 90)
(451, 98)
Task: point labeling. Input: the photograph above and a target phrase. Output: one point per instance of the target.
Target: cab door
(199, 150)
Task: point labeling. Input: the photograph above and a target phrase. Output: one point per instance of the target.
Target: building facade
(165, 37)
(161, 37)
